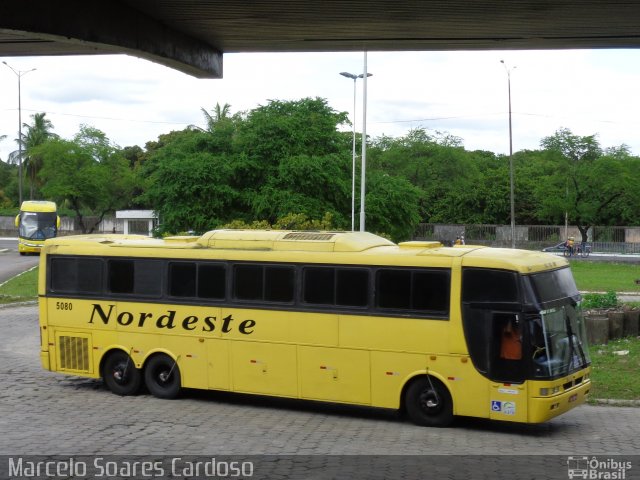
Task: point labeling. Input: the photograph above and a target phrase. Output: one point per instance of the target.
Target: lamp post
(19, 74)
(363, 159)
(354, 77)
(513, 215)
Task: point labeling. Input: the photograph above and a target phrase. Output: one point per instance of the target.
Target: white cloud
(463, 93)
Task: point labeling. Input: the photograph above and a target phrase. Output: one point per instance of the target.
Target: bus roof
(289, 245)
(37, 206)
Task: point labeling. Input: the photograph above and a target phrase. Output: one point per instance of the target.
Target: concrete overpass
(192, 35)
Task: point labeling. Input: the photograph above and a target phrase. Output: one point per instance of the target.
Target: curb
(616, 403)
(18, 304)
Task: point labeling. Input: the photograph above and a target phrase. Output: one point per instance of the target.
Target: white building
(139, 222)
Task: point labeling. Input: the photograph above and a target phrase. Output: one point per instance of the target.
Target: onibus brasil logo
(592, 468)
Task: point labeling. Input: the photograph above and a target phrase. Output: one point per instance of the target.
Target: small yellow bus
(37, 221)
(345, 317)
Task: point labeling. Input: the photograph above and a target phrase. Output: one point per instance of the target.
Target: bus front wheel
(162, 376)
(120, 374)
(428, 403)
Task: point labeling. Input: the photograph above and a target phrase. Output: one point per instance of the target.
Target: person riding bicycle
(569, 245)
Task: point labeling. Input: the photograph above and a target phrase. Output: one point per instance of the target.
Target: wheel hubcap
(118, 373)
(429, 401)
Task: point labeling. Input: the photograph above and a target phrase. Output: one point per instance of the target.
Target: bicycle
(584, 250)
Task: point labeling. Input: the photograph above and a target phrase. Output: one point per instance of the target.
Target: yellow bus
(37, 221)
(345, 317)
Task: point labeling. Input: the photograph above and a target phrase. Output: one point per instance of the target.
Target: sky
(464, 94)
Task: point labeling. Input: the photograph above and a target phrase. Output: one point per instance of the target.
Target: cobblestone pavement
(44, 413)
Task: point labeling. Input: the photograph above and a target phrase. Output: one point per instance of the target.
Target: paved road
(43, 413)
(8, 243)
(12, 263)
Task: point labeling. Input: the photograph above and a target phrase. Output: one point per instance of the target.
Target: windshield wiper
(572, 347)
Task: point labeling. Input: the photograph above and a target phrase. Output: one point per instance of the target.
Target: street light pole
(512, 201)
(354, 77)
(19, 74)
(363, 171)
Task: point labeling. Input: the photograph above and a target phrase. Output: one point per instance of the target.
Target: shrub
(600, 300)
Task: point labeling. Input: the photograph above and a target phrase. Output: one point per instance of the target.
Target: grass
(605, 277)
(21, 288)
(616, 376)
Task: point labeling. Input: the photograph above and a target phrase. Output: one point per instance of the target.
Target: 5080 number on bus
(64, 306)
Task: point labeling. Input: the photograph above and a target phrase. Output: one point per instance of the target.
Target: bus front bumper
(29, 246)
(542, 409)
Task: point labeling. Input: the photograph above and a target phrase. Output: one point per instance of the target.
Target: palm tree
(35, 135)
(220, 113)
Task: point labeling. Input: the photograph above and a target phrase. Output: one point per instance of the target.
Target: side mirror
(58, 222)
(17, 220)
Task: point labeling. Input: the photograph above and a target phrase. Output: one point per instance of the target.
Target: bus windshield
(37, 225)
(558, 333)
(559, 341)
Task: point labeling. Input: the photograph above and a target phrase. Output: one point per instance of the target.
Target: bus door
(508, 390)
(493, 327)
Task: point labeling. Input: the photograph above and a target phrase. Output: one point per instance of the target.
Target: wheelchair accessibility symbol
(507, 408)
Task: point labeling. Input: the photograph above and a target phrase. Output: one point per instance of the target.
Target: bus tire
(428, 403)
(120, 374)
(162, 376)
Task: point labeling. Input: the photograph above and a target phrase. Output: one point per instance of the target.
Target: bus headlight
(544, 392)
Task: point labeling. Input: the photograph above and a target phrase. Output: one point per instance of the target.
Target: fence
(620, 240)
(603, 239)
(68, 226)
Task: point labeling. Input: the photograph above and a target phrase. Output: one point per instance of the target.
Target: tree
(220, 113)
(585, 184)
(87, 173)
(438, 166)
(36, 134)
(391, 207)
(279, 159)
(190, 188)
(307, 185)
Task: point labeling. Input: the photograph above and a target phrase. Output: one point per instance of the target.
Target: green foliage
(299, 221)
(288, 158)
(604, 277)
(600, 300)
(278, 159)
(242, 225)
(87, 174)
(614, 370)
(21, 288)
(579, 179)
(291, 221)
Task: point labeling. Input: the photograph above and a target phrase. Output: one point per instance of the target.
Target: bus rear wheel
(162, 376)
(428, 403)
(121, 375)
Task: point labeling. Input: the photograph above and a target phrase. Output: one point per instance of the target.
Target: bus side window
(142, 277)
(486, 285)
(212, 281)
(182, 279)
(270, 283)
(76, 275)
(347, 287)
(319, 285)
(279, 284)
(352, 287)
(431, 291)
(248, 282)
(418, 290)
(394, 289)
